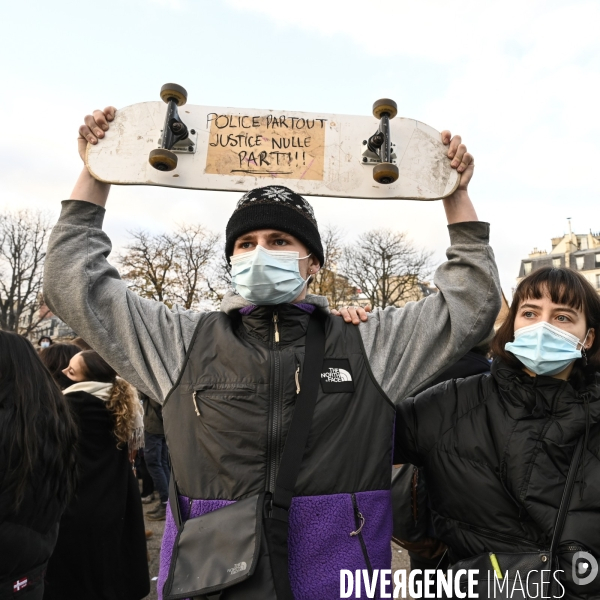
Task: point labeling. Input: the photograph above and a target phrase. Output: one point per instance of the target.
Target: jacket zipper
(274, 441)
(497, 535)
(196, 400)
(297, 378)
(360, 521)
(195, 404)
(569, 548)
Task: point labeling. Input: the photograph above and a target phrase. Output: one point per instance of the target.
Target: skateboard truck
(378, 148)
(175, 135)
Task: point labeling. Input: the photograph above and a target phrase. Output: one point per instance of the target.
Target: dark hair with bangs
(564, 286)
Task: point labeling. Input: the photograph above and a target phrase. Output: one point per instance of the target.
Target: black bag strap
(566, 497)
(297, 436)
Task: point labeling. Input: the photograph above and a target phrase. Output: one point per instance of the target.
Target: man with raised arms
(229, 379)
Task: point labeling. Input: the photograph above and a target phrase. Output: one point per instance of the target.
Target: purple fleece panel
(376, 508)
(199, 507)
(309, 308)
(320, 544)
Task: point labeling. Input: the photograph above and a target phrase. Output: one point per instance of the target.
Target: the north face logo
(237, 568)
(335, 375)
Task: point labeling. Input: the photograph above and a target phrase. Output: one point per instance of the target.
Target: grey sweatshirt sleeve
(143, 340)
(407, 347)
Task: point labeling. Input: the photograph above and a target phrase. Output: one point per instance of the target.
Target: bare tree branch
(219, 277)
(170, 268)
(194, 252)
(329, 281)
(387, 267)
(147, 264)
(23, 238)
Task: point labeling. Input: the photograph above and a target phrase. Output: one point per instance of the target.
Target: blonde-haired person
(101, 549)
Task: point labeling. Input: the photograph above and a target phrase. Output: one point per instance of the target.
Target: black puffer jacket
(496, 450)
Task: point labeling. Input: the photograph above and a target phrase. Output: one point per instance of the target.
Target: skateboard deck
(237, 149)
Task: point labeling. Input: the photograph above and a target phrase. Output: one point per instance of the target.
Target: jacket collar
(292, 321)
(536, 396)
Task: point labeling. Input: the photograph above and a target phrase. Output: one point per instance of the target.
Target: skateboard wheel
(163, 160)
(385, 105)
(385, 173)
(172, 90)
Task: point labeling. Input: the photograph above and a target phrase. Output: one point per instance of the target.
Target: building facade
(46, 324)
(580, 252)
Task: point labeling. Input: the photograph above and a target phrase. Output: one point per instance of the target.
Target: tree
(194, 256)
(219, 278)
(147, 264)
(387, 267)
(328, 281)
(170, 268)
(23, 238)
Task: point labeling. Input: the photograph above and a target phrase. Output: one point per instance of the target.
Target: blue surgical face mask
(267, 277)
(545, 349)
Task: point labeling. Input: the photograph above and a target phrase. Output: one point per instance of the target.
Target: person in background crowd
(142, 474)
(37, 467)
(56, 358)
(496, 449)
(101, 549)
(45, 342)
(156, 455)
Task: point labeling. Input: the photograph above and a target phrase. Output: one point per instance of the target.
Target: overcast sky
(518, 80)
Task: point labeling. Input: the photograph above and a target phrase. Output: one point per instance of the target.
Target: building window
(579, 262)
(556, 263)
(598, 282)
(598, 260)
(527, 267)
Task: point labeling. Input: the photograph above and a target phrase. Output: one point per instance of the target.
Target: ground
(399, 556)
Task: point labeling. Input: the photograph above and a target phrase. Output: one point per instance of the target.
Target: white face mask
(267, 277)
(45, 344)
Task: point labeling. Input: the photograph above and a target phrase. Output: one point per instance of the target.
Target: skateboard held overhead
(232, 149)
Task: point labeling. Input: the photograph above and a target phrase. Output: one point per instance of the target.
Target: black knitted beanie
(274, 207)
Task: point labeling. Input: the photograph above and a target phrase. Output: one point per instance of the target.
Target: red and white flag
(20, 584)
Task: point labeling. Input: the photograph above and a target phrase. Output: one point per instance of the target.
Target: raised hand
(462, 160)
(93, 128)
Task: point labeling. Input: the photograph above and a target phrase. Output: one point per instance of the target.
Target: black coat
(496, 450)
(27, 536)
(409, 489)
(101, 548)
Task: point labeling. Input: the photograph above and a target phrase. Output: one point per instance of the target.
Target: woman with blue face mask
(496, 448)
